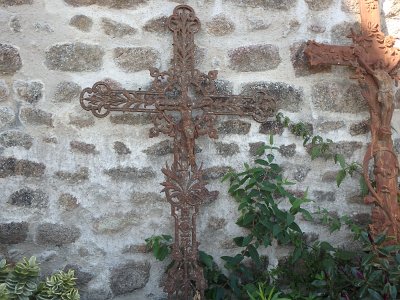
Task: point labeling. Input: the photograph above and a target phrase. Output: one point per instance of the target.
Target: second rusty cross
(183, 102)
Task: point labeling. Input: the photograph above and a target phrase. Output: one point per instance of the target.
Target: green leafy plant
(269, 213)
(320, 147)
(22, 283)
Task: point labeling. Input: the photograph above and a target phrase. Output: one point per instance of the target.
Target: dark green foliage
(314, 272)
(22, 283)
(160, 245)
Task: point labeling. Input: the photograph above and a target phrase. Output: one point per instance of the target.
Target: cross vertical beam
(376, 62)
(192, 94)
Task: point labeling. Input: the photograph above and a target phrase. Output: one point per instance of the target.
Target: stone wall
(83, 193)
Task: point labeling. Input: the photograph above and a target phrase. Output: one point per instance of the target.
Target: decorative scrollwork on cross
(192, 95)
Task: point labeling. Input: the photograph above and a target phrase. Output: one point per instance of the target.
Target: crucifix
(183, 103)
(376, 62)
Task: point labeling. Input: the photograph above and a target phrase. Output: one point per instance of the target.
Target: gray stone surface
(81, 22)
(329, 176)
(287, 150)
(10, 60)
(316, 28)
(74, 177)
(68, 202)
(217, 172)
(359, 128)
(162, 148)
(67, 91)
(121, 149)
(350, 6)
(253, 147)
(115, 222)
(215, 223)
(129, 277)
(269, 4)
(119, 4)
(227, 149)
(138, 198)
(130, 173)
(84, 148)
(15, 24)
(234, 127)
(287, 97)
(338, 96)
(318, 4)
(4, 90)
(220, 25)
(157, 25)
(340, 32)
(136, 59)
(5, 3)
(82, 119)
(10, 166)
(7, 117)
(271, 127)
(330, 126)
(29, 91)
(116, 29)
(254, 58)
(13, 233)
(56, 234)
(14, 138)
(29, 197)
(321, 196)
(361, 219)
(36, 117)
(131, 119)
(74, 57)
(301, 172)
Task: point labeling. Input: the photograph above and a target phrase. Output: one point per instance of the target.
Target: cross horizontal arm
(259, 106)
(322, 54)
(101, 100)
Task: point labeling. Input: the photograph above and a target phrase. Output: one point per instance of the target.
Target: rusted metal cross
(183, 103)
(376, 61)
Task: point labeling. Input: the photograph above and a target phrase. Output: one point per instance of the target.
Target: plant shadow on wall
(310, 271)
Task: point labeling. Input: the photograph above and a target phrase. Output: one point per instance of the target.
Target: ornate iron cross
(376, 61)
(183, 103)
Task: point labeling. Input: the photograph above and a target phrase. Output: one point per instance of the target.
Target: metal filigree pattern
(184, 104)
(376, 61)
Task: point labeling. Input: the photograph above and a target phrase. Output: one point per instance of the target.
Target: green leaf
(315, 152)
(319, 283)
(271, 139)
(254, 254)
(261, 162)
(340, 176)
(375, 295)
(363, 186)
(393, 292)
(339, 158)
(206, 259)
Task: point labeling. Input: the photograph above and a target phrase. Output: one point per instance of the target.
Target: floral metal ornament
(376, 62)
(183, 103)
